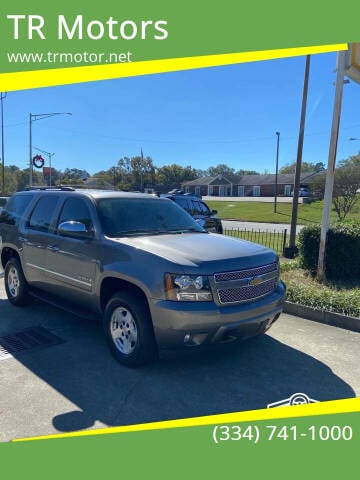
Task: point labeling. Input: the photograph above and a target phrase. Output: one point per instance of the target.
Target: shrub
(342, 259)
(308, 243)
(338, 301)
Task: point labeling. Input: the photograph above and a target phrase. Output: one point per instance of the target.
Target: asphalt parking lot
(76, 384)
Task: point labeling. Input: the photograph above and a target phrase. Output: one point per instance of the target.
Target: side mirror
(75, 230)
(214, 212)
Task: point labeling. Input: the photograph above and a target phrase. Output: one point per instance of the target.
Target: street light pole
(33, 117)
(2, 96)
(276, 170)
(292, 249)
(30, 153)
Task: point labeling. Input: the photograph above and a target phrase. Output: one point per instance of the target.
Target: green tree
(10, 181)
(306, 167)
(352, 161)
(346, 185)
(143, 171)
(73, 175)
(220, 169)
(175, 174)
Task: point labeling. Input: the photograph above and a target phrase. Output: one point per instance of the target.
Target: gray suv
(140, 263)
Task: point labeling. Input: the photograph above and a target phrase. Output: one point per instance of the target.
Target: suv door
(34, 235)
(72, 261)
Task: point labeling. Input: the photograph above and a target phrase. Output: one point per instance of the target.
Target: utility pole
(276, 170)
(329, 184)
(141, 170)
(2, 96)
(292, 249)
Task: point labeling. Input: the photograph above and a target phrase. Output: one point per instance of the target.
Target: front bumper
(196, 324)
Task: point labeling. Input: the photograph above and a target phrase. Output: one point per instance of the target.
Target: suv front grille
(247, 285)
(248, 273)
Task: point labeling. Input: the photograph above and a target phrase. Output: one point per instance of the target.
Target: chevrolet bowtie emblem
(255, 281)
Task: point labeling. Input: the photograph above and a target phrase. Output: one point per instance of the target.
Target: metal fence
(274, 239)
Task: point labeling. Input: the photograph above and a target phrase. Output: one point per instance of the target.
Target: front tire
(16, 286)
(128, 329)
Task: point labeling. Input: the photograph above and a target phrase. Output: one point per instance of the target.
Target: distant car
(198, 209)
(303, 192)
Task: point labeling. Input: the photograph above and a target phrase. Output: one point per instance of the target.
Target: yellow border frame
(63, 76)
(320, 408)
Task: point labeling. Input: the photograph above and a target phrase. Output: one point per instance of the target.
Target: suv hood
(210, 252)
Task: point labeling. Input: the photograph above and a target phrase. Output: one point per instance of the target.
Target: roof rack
(65, 188)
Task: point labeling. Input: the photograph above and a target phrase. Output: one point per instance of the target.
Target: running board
(64, 305)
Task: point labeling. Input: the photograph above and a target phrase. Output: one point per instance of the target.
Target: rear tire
(16, 286)
(128, 329)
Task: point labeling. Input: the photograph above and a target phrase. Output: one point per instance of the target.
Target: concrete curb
(322, 316)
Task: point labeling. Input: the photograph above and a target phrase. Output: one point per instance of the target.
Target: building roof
(199, 181)
(249, 180)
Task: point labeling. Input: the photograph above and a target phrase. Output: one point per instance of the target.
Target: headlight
(187, 288)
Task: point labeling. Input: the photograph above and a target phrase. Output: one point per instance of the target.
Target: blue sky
(200, 118)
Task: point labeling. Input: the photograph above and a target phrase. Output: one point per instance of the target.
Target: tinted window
(204, 208)
(3, 201)
(183, 202)
(15, 208)
(126, 216)
(196, 209)
(43, 212)
(75, 209)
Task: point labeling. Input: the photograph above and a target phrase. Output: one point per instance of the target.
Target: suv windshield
(136, 216)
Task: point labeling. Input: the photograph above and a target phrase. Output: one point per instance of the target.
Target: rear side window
(204, 208)
(184, 203)
(42, 214)
(15, 208)
(196, 207)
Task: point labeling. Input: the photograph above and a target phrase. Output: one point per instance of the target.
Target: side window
(15, 209)
(196, 207)
(75, 209)
(42, 214)
(183, 202)
(204, 208)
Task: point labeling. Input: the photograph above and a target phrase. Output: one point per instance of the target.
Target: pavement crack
(145, 371)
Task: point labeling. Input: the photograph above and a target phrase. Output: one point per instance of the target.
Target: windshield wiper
(155, 232)
(139, 232)
(187, 230)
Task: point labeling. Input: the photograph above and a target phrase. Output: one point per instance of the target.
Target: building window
(256, 191)
(187, 189)
(287, 190)
(210, 190)
(241, 191)
(197, 191)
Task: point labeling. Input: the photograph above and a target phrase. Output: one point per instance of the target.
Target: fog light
(187, 338)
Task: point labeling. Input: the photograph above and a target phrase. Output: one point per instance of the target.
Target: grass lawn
(264, 212)
(337, 297)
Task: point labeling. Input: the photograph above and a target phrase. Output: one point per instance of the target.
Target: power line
(195, 142)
